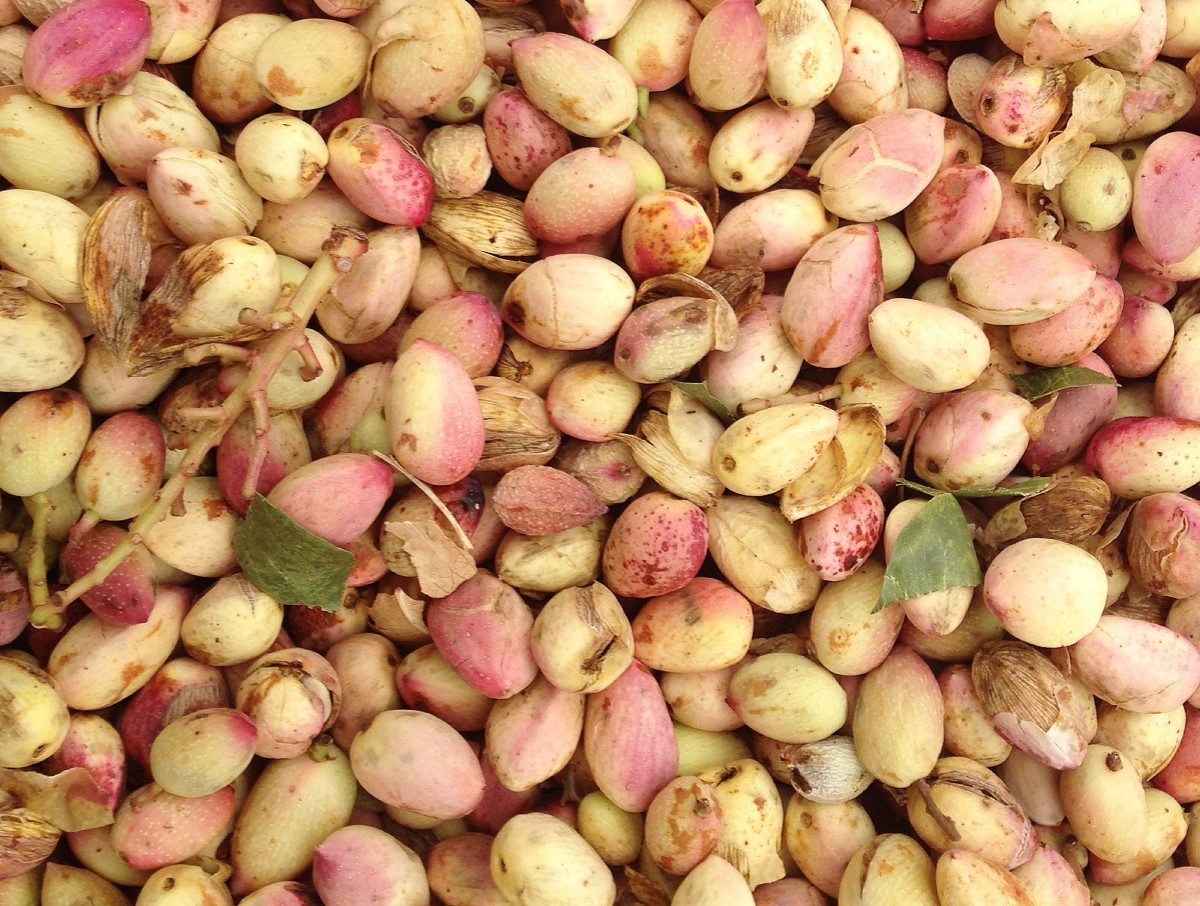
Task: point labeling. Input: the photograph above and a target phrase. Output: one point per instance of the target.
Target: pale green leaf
(1044, 381)
(1027, 487)
(933, 552)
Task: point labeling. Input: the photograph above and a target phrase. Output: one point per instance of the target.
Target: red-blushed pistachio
(655, 43)
(1168, 231)
(872, 81)
(752, 816)
(683, 824)
(380, 172)
(928, 346)
(1135, 257)
(898, 719)
(96, 664)
(583, 193)
(581, 639)
(202, 752)
(292, 695)
(926, 77)
(1049, 878)
(417, 762)
(832, 291)
(540, 500)
(1174, 393)
(762, 363)
(1018, 104)
(81, 55)
(537, 856)
(42, 436)
(772, 230)
(955, 213)
(1046, 592)
(468, 507)
(968, 728)
(965, 878)
(35, 711)
(521, 140)
(706, 625)
(1073, 419)
(201, 195)
(1180, 775)
(875, 169)
(465, 323)
(121, 467)
(575, 83)
(433, 415)
(311, 795)
(179, 687)
(958, 20)
(532, 736)
(1138, 665)
(1161, 544)
(985, 819)
(1166, 828)
(1138, 456)
(666, 232)
(777, 136)
(362, 304)
(699, 700)
(763, 452)
(366, 666)
(628, 741)
(1053, 32)
(890, 868)
(337, 497)
(1019, 280)
(972, 439)
(657, 545)
(1074, 332)
(1105, 804)
(1101, 247)
(1017, 218)
(837, 540)
(351, 411)
(667, 337)
(788, 698)
(360, 863)
(1140, 340)
(91, 743)
(822, 838)
(428, 682)
(1177, 885)
(498, 804)
(154, 828)
(728, 62)
(482, 629)
(678, 135)
(317, 629)
(847, 638)
(126, 596)
(569, 302)
(94, 851)
(900, 19)
(459, 871)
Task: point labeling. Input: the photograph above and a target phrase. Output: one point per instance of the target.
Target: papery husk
(674, 286)
(71, 800)
(742, 285)
(487, 229)
(1031, 702)
(1070, 509)
(1098, 94)
(517, 430)
(26, 841)
(669, 447)
(842, 467)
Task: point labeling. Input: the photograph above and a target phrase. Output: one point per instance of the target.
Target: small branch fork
(343, 247)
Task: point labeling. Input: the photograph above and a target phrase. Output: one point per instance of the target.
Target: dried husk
(487, 229)
(660, 454)
(1031, 702)
(517, 429)
(742, 285)
(26, 841)
(1071, 509)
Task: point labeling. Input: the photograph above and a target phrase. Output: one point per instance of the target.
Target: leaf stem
(341, 249)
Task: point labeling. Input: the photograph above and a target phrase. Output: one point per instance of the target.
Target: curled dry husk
(487, 229)
(1072, 508)
(118, 245)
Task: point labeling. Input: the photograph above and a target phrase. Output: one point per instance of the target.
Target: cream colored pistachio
(763, 452)
(281, 157)
(928, 346)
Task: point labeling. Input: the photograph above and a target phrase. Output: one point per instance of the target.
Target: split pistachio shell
(35, 711)
(582, 639)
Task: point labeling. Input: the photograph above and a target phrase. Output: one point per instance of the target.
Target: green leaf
(699, 391)
(1044, 381)
(934, 551)
(1027, 487)
(287, 561)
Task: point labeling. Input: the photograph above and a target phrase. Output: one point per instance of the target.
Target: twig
(343, 247)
